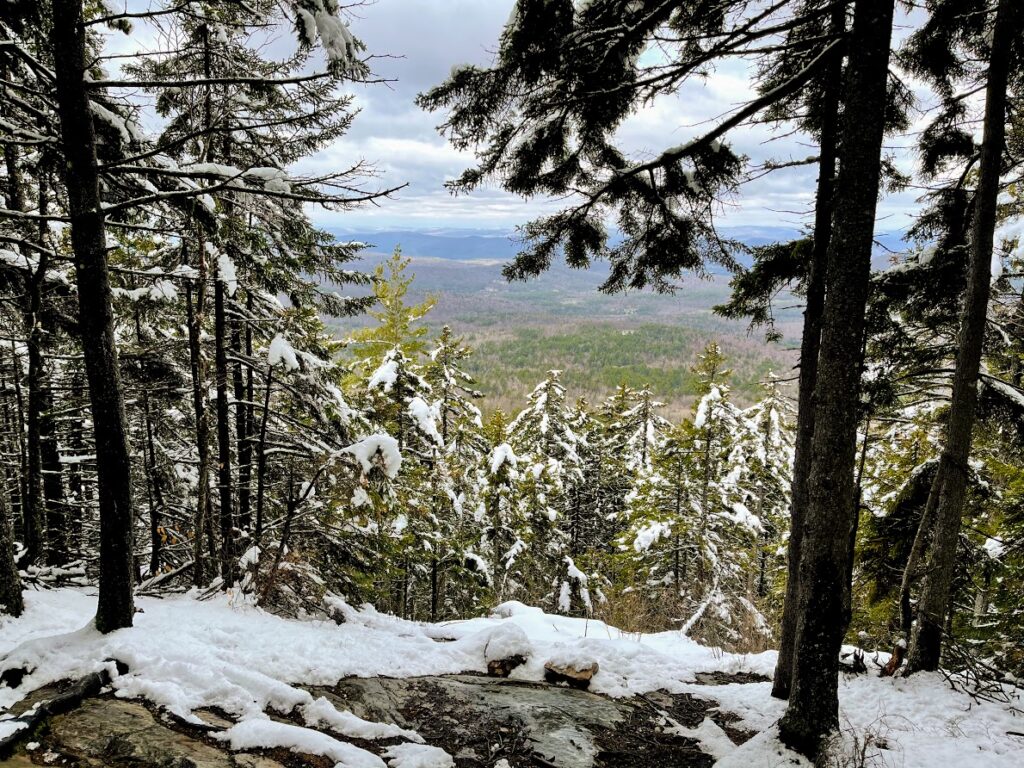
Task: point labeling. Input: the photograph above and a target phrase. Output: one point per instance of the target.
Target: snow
(418, 756)
(281, 352)
(994, 548)
(226, 273)
(383, 445)
(712, 738)
(317, 19)
(265, 733)
(114, 120)
(184, 654)
(706, 407)
(274, 179)
(385, 376)
(322, 712)
(505, 641)
(500, 456)
(763, 751)
(564, 597)
(648, 535)
(425, 418)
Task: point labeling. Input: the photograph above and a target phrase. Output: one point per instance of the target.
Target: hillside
(561, 320)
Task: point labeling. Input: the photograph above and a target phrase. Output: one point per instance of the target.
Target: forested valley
(244, 478)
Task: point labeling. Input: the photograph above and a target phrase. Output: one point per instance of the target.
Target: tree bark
(53, 483)
(809, 346)
(242, 440)
(115, 606)
(194, 309)
(226, 506)
(11, 602)
(813, 710)
(950, 485)
(261, 455)
(34, 516)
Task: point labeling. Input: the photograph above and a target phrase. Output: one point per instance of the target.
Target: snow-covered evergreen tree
(759, 478)
(550, 464)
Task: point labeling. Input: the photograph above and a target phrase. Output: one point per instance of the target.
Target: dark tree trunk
(53, 484)
(242, 441)
(34, 515)
(227, 522)
(950, 485)
(261, 456)
(434, 588)
(156, 501)
(76, 479)
(809, 345)
(11, 602)
(34, 506)
(19, 401)
(49, 453)
(156, 539)
(194, 309)
(813, 709)
(96, 318)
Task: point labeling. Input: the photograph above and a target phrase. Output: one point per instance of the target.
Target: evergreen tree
(1005, 44)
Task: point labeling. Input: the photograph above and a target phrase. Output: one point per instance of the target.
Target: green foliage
(398, 323)
(607, 356)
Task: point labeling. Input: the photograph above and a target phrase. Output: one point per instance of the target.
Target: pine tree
(824, 570)
(760, 475)
(948, 490)
(549, 464)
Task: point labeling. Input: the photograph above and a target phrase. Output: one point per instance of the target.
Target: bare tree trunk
(34, 505)
(19, 401)
(156, 502)
(194, 309)
(242, 427)
(261, 456)
(11, 602)
(809, 346)
(34, 515)
(227, 523)
(53, 484)
(813, 710)
(115, 607)
(156, 508)
(950, 485)
(76, 480)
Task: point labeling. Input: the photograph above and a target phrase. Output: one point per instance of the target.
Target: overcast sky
(421, 40)
(430, 36)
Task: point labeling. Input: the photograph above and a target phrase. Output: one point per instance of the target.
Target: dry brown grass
(637, 613)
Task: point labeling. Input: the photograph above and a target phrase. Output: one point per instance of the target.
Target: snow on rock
(571, 665)
(368, 449)
(504, 643)
(268, 734)
(418, 756)
(322, 713)
(184, 654)
(281, 352)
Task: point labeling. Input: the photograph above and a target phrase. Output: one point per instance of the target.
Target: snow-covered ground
(184, 654)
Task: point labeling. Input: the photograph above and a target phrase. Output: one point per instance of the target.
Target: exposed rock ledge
(480, 721)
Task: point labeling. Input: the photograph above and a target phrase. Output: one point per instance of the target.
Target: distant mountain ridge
(499, 245)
